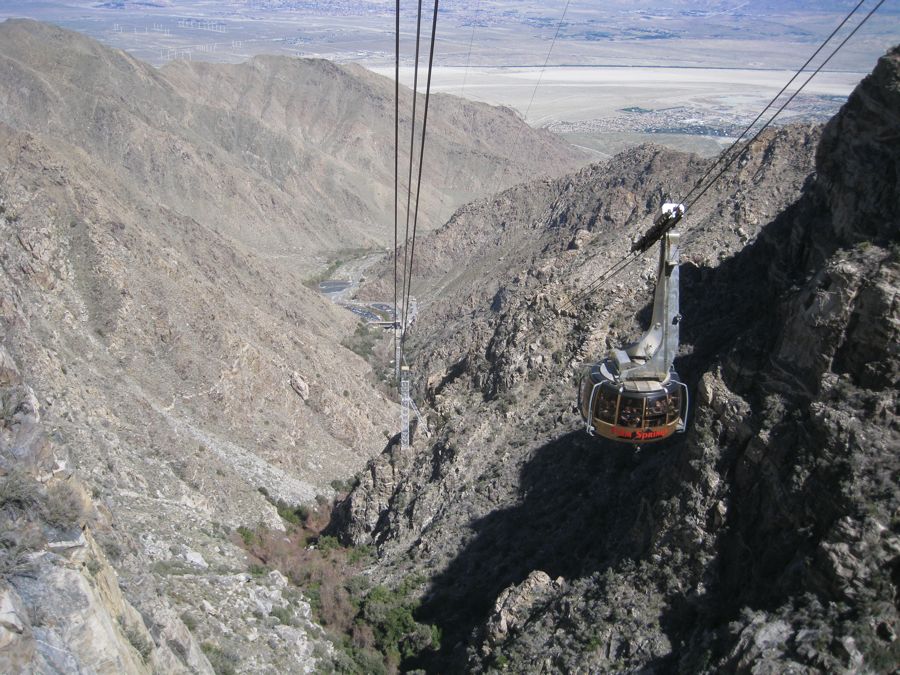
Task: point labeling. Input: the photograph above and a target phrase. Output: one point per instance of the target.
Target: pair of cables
(409, 245)
(700, 188)
(731, 154)
(402, 286)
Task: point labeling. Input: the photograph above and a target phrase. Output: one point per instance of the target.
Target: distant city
(477, 32)
(689, 120)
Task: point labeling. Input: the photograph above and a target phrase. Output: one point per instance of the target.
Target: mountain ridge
(169, 378)
(174, 394)
(231, 143)
(766, 537)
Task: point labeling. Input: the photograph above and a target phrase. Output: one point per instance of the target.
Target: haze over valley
(604, 61)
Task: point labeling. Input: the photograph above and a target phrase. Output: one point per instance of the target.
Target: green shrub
(283, 614)
(436, 636)
(190, 621)
(137, 639)
(223, 661)
(20, 490)
(64, 506)
(344, 486)
(314, 597)
(327, 543)
(357, 586)
(359, 553)
(292, 514)
(16, 547)
(369, 662)
(390, 615)
(93, 565)
(247, 535)
(171, 568)
(109, 545)
(257, 570)
(363, 340)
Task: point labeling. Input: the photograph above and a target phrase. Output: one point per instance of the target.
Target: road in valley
(344, 282)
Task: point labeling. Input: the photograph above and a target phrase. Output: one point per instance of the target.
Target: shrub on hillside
(373, 627)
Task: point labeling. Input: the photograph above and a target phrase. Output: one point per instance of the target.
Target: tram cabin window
(631, 410)
(656, 411)
(674, 405)
(585, 396)
(606, 406)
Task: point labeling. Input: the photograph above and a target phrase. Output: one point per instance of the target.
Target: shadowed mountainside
(766, 537)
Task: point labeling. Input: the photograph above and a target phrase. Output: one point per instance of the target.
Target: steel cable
(412, 250)
(769, 104)
(396, 156)
(412, 145)
(601, 281)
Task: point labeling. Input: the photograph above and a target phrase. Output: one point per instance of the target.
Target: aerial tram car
(634, 395)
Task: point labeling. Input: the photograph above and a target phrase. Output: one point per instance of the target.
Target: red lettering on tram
(637, 434)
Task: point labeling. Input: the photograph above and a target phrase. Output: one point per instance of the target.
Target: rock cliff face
(156, 230)
(767, 538)
(61, 607)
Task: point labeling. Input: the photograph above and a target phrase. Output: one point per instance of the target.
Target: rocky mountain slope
(175, 376)
(169, 377)
(291, 158)
(767, 537)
